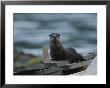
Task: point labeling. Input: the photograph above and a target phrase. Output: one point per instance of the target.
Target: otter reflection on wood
(58, 52)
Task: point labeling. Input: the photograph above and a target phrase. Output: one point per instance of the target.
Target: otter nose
(54, 36)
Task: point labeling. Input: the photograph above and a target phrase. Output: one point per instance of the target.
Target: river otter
(58, 52)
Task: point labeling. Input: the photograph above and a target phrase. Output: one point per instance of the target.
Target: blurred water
(31, 31)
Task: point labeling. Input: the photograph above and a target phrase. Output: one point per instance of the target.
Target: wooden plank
(56, 63)
(72, 71)
(91, 69)
(88, 56)
(80, 64)
(76, 65)
(61, 64)
(30, 67)
(52, 67)
(47, 71)
(66, 65)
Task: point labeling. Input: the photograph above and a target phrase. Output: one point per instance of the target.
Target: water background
(77, 30)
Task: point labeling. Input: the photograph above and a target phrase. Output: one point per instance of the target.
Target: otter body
(58, 52)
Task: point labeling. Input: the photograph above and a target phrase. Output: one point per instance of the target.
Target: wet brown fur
(58, 52)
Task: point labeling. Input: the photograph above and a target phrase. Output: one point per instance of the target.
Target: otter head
(54, 37)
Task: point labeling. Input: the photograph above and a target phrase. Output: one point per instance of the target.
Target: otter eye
(49, 35)
(58, 34)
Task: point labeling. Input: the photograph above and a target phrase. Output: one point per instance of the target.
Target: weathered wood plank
(75, 65)
(64, 65)
(80, 64)
(72, 71)
(53, 67)
(47, 71)
(56, 63)
(88, 56)
(30, 67)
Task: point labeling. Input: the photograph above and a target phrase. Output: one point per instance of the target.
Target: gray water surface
(77, 30)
